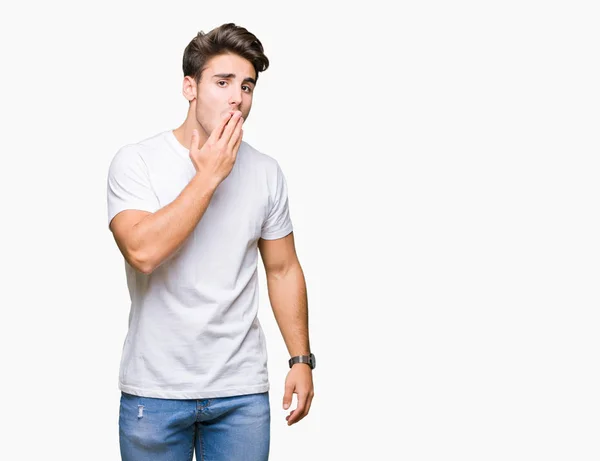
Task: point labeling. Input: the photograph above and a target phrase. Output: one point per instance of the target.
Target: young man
(188, 209)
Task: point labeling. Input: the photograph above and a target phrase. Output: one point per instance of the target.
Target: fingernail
(286, 406)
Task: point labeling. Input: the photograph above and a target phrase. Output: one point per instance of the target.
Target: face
(227, 83)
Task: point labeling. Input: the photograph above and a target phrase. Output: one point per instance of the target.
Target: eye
(248, 88)
(221, 81)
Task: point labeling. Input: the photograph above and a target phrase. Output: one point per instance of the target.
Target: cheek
(207, 100)
(208, 106)
(247, 102)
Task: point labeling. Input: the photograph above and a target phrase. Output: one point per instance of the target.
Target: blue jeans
(220, 429)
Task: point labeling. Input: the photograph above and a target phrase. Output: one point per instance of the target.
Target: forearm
(160, 234)
(287, 293)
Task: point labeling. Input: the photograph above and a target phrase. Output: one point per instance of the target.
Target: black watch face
(313, 360)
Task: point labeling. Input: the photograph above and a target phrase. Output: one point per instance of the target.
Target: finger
(228, 131)
(308, 404)
(194, 143)
(298, 413)
(236, 147)
(287, 396)
(218, 131)
(236, 137)
(294, 417)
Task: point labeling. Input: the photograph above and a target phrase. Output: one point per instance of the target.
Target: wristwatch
(309, 359)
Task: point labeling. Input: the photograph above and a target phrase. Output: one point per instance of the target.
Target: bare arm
(146, 239)
(287, 292)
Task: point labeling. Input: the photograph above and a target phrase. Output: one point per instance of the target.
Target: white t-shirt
(193, 326)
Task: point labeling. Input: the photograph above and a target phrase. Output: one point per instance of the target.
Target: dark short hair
(227, 38)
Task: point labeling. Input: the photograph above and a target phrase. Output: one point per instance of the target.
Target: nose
(235, 98)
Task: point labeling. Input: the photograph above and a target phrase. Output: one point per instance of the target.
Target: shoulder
(258, 159)
(127, 156)
(266, 168)
(137, 154)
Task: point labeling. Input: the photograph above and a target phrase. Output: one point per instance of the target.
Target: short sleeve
(128, 184)
(278, 223)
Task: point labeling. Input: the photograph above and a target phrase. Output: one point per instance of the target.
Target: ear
(189, 88)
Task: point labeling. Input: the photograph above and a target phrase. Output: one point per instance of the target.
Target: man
(188, 209)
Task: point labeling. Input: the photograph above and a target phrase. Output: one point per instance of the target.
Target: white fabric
(193, 327)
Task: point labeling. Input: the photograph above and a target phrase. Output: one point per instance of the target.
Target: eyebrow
(247, 79)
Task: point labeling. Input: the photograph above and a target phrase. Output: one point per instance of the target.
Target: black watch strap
(308, 359)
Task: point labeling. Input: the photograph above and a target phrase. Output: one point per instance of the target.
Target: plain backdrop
(442, 164)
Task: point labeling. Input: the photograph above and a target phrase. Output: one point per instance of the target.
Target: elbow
(275, 272)
(281, 271)
(146, 269)
(141, 262)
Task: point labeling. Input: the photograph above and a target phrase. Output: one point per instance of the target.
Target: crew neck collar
(176, 145)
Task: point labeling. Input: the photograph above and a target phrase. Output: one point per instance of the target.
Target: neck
(183, 133)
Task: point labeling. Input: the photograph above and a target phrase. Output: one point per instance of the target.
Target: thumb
(287, 396)
(194, 144)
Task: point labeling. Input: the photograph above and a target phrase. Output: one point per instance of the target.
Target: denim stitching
(191, 455)
(201, 444)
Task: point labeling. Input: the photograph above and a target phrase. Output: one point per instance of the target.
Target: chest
(238, 207)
